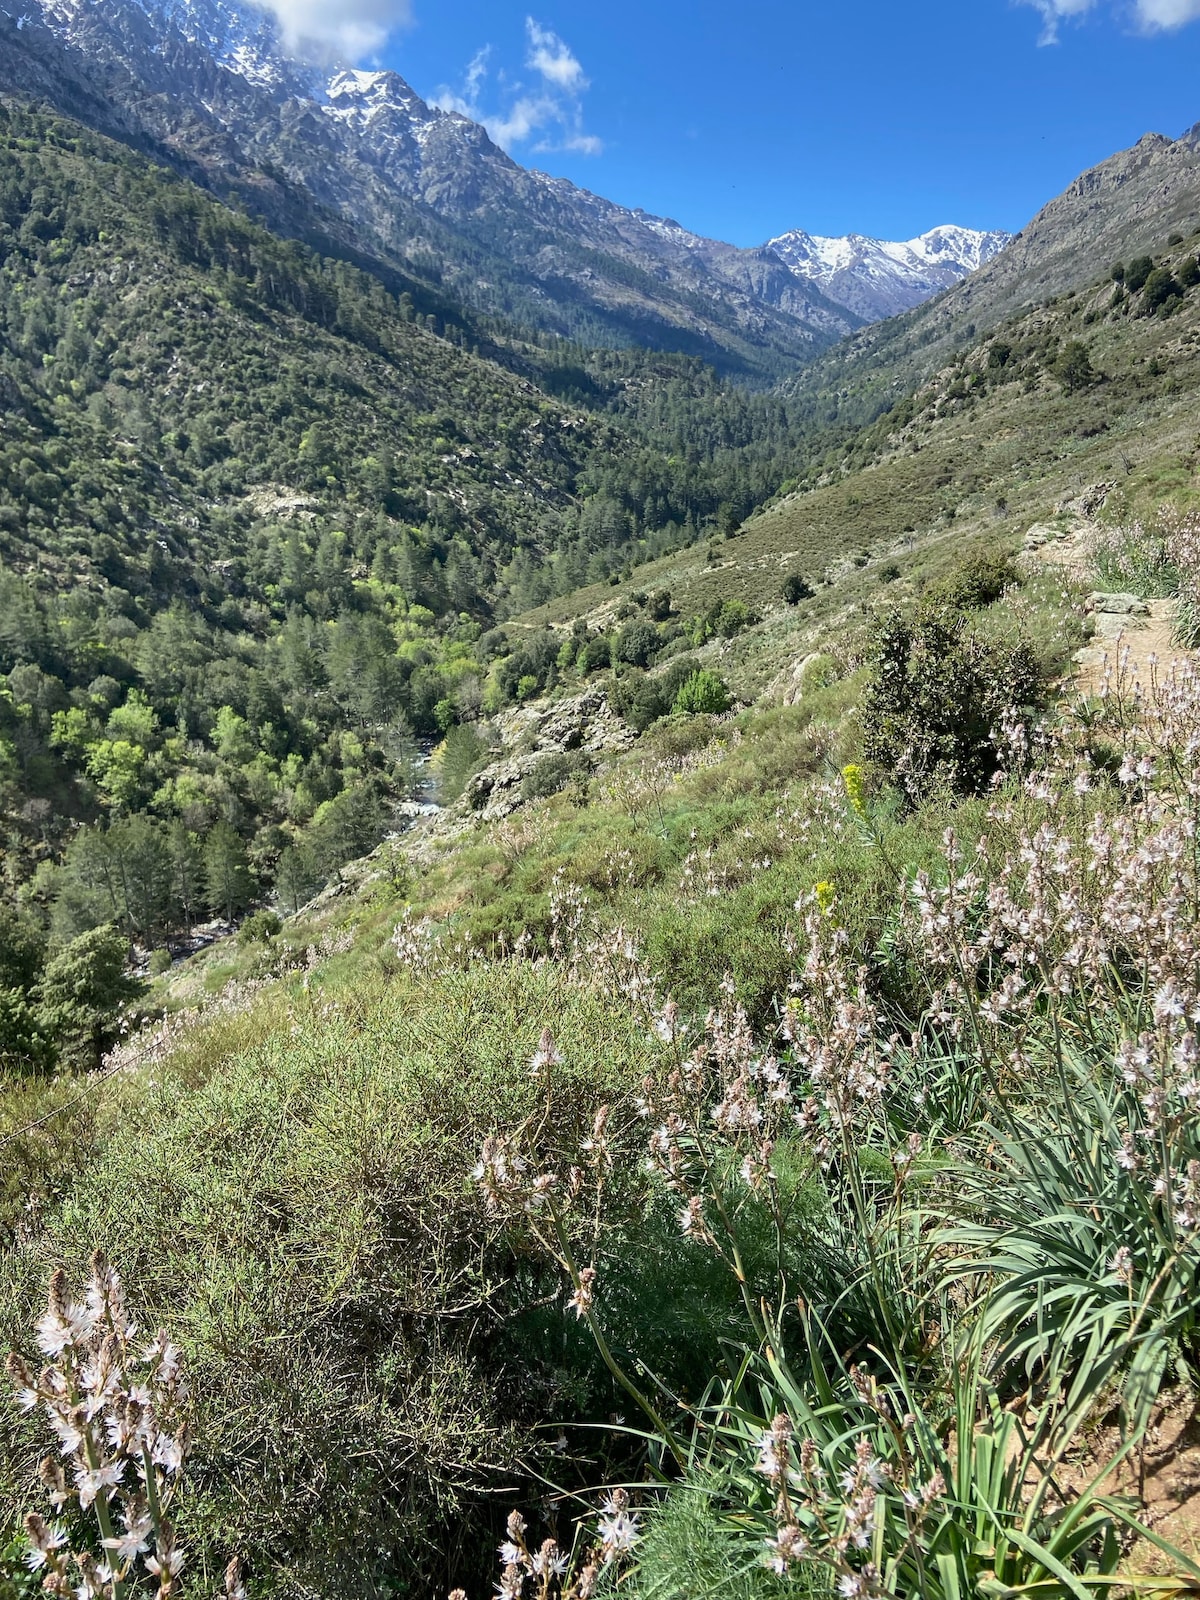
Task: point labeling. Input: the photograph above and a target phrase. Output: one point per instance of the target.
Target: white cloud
(549, 112)
(553, 59)
(465, 99)
(1168, 13)
(1055, 11)
(1149, 16)
(353, 31)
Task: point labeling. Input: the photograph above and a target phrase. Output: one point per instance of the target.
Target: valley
(599, 910)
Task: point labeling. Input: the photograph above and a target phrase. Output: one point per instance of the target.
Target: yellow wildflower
(855, 780)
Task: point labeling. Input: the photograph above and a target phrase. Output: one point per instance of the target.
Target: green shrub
(1137, 272)
(974, 583)
(723, 620)
(1160, 287)
(1073, 367)
(937, 700)
(688, 1551)
(160, 962)
(642, 698)
(596, 653)
(705, 693)
(795, 588)
(260, 928)
(637, 643)
(294, 1210)
(552, 773)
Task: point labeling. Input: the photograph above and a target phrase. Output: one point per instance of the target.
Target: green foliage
(17, 1582)
(336, 1286)
(1137, 272)
(82, 993)
(723, 620)
(552, 773)
(227, 872)
(460, 755)
(687, 1550)
(1160, 288)
(637, 643)
(1057, 1216)
(1073, 367)
(705, 693)
(596, 653)
(938, 700)
(795, 588)
(260, 928)
(973, 583)
(642, 698)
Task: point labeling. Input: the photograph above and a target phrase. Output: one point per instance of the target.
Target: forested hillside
(259, 519)
(220, 94)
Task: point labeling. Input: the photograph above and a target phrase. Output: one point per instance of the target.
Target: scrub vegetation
(761, 1157)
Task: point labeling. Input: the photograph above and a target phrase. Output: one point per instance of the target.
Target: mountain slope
(876, 278)
(992, 441)
(210, 80)
(259, 520)
(1127, 206)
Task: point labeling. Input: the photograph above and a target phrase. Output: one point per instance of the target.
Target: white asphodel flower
(618, 1533)
(133, 1540)
(43, 1542)
(546, 1055)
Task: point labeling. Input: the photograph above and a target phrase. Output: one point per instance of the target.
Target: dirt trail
(1140, 648)
(1164, 1476)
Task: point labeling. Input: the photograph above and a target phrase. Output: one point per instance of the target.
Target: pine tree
(227, 872)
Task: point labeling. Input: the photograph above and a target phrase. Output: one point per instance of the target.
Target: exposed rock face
(1125, 206)
(586, 723)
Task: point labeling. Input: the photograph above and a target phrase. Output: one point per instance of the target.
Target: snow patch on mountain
(880, 277)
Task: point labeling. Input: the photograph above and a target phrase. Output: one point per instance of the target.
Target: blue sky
(870, 116)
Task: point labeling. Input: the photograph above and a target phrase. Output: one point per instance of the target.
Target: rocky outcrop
(585, 724)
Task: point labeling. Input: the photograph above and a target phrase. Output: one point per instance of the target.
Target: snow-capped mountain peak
(223, 84)
(880, 277)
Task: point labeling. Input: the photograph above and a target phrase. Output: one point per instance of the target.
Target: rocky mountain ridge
(1134, 203)
(213, 82)
(878, 278)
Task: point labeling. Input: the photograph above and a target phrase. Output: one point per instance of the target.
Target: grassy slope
(981, 468)
(284, 1181)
